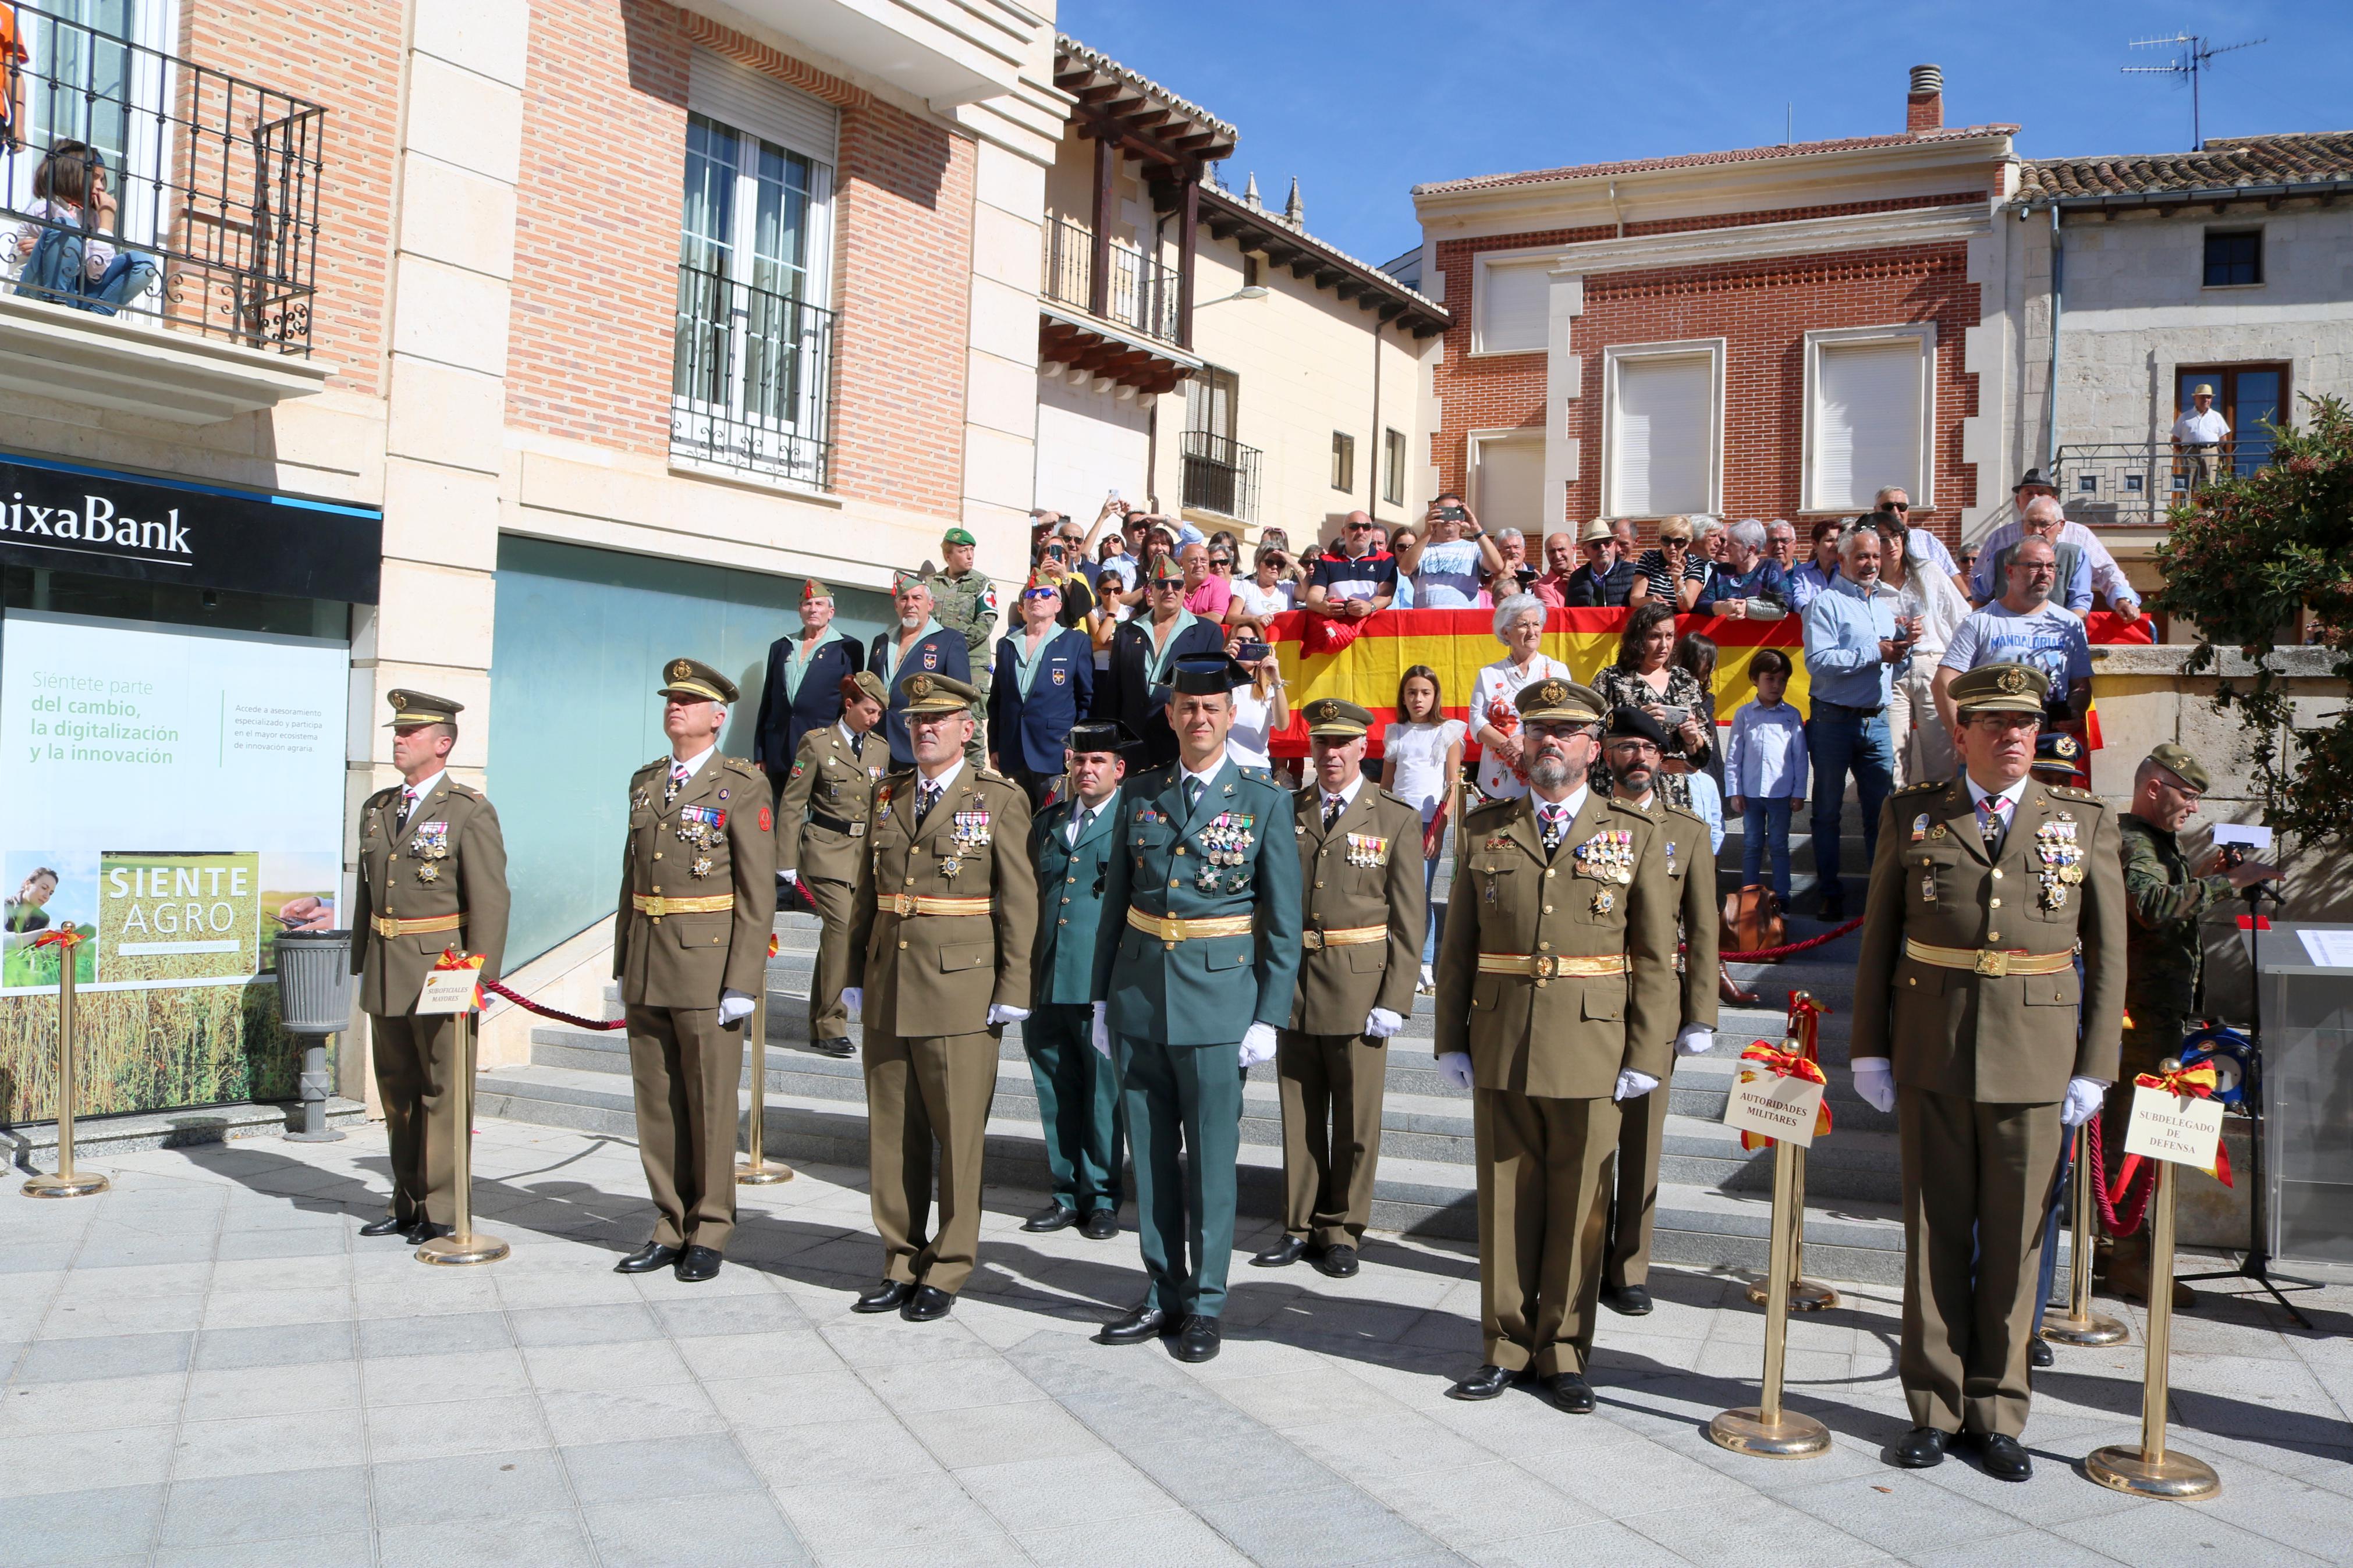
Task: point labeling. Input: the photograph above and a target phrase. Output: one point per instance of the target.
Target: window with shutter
(1866, 422)
(1507, 482)
(1662, 436)
(1512, 307)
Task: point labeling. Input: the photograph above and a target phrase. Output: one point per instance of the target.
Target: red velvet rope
(495, 989)
(1768, 955)
(2114, 1220)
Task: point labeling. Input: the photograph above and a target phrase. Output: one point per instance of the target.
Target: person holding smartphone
(1260, 710)
(1452, 555)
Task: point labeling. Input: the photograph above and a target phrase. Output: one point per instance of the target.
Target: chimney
(1923, 108)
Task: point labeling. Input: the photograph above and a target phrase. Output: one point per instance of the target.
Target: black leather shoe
(1627, 1301)
(387, 1226)
(1487, 1382)
(887, 1297)
(928, 1304)
(2040, 1354)
(838, 1046)
(1918, 1449)
(1283, 1254)
(653, 1255)
(1145, 1322)
(1570, 1392)
(1054, 1216)
(1198, 1340)
(424, 1230)
(1335, 1262)
(2003, 1458)
(1832, 906)
(697, 1264)
(1101, 1225)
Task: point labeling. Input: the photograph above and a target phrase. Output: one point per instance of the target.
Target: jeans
(54, 272)
(1767, 823)
(1430, 906)
(1842, 740)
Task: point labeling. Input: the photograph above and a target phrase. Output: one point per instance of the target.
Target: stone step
(33, 1145)
(1846, 1238)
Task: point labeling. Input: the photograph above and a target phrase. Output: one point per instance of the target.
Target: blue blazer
(1074, 940)
(1029, 731)
(936, 653)
(776, 736)
(1127, 694)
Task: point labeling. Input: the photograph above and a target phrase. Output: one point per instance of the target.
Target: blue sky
(1363, 101)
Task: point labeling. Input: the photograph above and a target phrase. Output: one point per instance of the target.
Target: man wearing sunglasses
(2023, 627)
(1897, 501)
(1357, 579)
(1133, 690)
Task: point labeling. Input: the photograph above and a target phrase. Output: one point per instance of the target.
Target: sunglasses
(1168, 587)
(1360, 528)
(1896, 506)
(1221, 560)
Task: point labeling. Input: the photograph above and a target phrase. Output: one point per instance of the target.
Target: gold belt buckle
(858, 830)
(1547, 965)
(1311, 940)
(1994, 963)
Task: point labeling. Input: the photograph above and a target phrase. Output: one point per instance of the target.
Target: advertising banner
(176, 795)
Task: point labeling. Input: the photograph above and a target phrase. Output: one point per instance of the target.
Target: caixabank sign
(73, 518)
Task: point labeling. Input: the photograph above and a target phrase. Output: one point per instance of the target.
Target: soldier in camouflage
(2166, 900)
(965, 601)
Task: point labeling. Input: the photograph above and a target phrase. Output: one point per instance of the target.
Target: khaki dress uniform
(821, 824)
(1967, 984)
(1632, 1188)
(940, 932)
(1363, 902)
(437, 881)
(1555, 971)
(698, 901)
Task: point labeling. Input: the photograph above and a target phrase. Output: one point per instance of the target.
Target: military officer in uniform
(965, 601)
(1556, 1002)
(1965, 1026)
(1360, 871)
(939, 964)
(1632, 747)
(1208, 893)
(821, 820)
(691, 950)
(1073, 843)
(433, 875)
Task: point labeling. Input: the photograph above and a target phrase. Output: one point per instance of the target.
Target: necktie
(677, 783)
(407, 804)
(1993, 822)
(1079, 821)
(927, 798)
(858, 747)
(1553, 823)
(1192, 794)
(1333, 807)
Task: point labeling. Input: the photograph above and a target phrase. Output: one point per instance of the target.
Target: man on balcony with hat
(432, 875)
(691, 950)
(2199, 435)
(1207, 896)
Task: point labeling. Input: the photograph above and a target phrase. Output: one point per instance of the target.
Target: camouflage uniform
(967, 605)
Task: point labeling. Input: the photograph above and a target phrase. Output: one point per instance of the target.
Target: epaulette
(1259, 775)
(1484, 806)
(649, 767)
(1629, 809)
(1920, 786)
(737, 764)
(993, 776)
(1687, 811)
(2069, 792)
(469, 791)
(1398, 799)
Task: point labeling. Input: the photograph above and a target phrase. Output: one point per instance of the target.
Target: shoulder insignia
(739, 765)
(1486, 808)
(992, 775)
(1923, 786)
(1686, 813)
(1395, 799)
(1259, 775)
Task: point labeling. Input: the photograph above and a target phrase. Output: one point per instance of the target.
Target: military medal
(1919, 827)
(701, 825)
(1607, 857)
(2062, 858)
(1367, 850)
(1671, 858)
(969, 829)
(1936, 832)
(1927, 882)
(701, 867)
(427, 872)
(1604, 902)
(951, 866)
(639, 801)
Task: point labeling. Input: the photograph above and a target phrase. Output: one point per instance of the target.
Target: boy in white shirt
(1764, 770)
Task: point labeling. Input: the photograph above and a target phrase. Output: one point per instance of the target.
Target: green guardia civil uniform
(1205, 898)
(697, 906)
(1967, 986)
(1073, 846)
(1363, 913)
(822, 815)
(939, 935)
(432, 875)
(1556, 971)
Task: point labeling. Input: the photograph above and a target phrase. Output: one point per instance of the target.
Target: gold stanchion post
(465, 1244)
(67, 1183)
(2080, 1325)
(1805, 1295)
(1765, 1430)
(757, 1170)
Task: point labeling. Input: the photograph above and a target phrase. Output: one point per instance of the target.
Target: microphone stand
(2256, 1264)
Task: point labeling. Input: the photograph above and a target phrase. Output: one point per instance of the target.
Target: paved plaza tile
(208, 1365)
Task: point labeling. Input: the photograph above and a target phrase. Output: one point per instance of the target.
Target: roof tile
(2228, 162)
(1697, 160)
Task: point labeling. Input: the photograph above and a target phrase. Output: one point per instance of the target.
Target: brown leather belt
(702, 904)
(388, 927)
(1173, 929)
(1346, 936)
(1993, 961)
(1551, 965)
(916, 904)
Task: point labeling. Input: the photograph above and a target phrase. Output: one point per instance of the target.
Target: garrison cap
(1101, 735)
(2177, 760)
(1041, 581)
(2056, 750)
(958, 536)
(1557, 700)
(1331, 719)
(919, 578)
(420, 708)
(813, 589)
(1999, 688)
(1630, 722)
(1164, 569)
(1202, 674)
(866, 683)
(696, 681)
(937, 694)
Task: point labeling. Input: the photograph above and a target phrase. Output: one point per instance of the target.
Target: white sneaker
(1428, 986)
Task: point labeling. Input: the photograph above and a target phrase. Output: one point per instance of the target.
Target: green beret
(2176, 759)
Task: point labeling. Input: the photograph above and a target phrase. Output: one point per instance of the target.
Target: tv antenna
(2195, 59)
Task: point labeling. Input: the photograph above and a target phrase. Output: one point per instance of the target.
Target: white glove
(999, 1013)
(853, 1000)
(1103, 1030)
(1694, 1040)
(1380, 1023)
(789, 878)
(1454, 1067)
(1632, 1085)
(1258, 1046)
(1874, 1082)
(2082, 1102)
(733, 1005)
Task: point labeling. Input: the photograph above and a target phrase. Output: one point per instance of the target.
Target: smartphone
(1453, 514)
(1114, 493)
(1673, 716)
(1251, 652)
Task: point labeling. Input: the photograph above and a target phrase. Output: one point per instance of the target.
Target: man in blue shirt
(1749, 582)
(1818, 574)
(1851, 642)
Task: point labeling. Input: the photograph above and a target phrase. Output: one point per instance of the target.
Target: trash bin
(316, 992)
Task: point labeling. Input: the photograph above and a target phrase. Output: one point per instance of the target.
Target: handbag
(1754, 920)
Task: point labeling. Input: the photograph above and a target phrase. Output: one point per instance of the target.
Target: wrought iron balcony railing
(2134, 484)
(752, 380)
(1141, 293)
(142, 184)
(1220, 474)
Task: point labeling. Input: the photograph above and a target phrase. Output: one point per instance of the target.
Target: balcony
(1122, 326)
(162, 224)
(751, 381)
(2136, 484)
(1220, 474)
